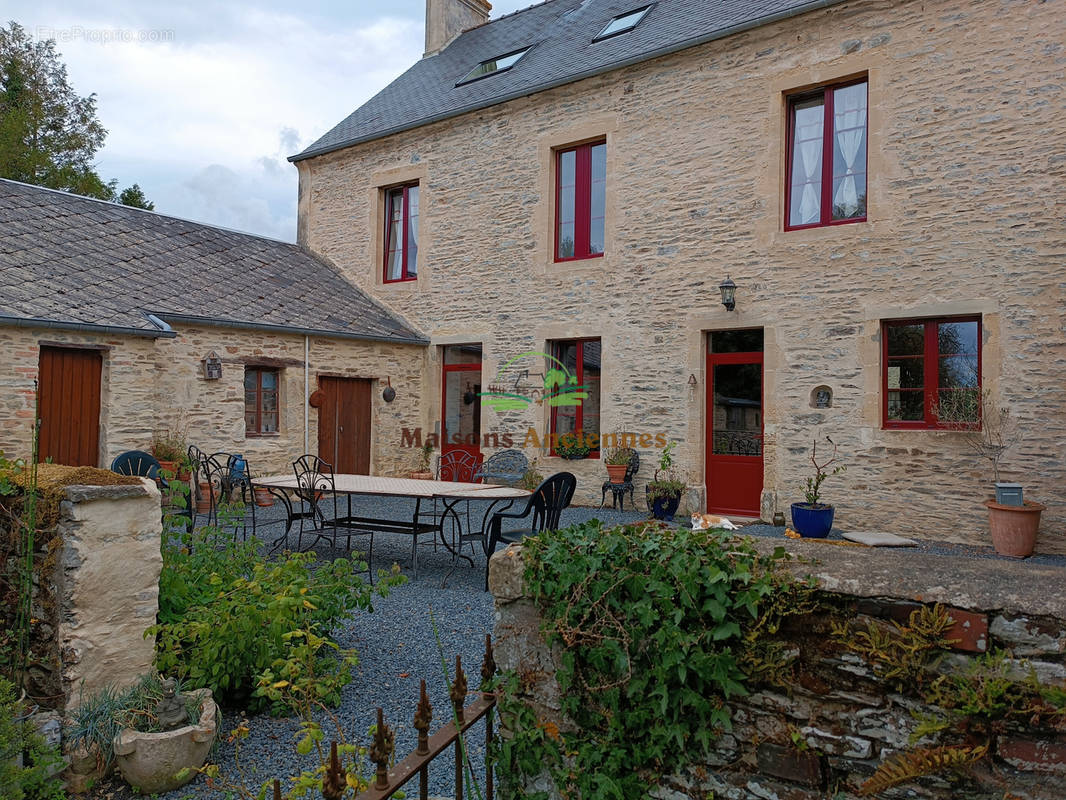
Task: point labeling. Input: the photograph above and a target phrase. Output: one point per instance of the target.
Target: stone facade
(965, 206)
(828, 731)
(150, 385)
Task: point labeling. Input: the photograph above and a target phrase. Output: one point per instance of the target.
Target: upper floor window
(575, 403)
(260, 400)
(931, 372)
(493, 65)
(827, 156)
(401, 233)
(622, 23)
(580, 201)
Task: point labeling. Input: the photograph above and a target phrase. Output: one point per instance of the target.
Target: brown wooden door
(69, 397)
(344, 424)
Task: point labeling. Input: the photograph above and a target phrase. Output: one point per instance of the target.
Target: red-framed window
(580, 362)
(827, 156)
(260, 400)
(401, 233)
(580, 201)
(931, 372)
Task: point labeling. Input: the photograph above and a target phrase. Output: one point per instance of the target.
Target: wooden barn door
(344, 424)
(69, 396)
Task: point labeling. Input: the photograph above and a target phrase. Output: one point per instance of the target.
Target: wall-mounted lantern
(388, 394)
(692, 380)
(729, 291)
(212, 366)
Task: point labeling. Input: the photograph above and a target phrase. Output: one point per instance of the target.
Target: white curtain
(807, 164)
(849, 125)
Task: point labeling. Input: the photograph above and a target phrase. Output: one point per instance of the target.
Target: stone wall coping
(982, 584)
(87, 494)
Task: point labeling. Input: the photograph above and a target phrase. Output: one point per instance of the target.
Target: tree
(48, 133)
(134, 196)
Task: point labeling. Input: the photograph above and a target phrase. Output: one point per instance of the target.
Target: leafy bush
(658, 627)
(227, 615)
(34, 778)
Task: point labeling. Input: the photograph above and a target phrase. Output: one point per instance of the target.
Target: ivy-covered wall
(914, 676)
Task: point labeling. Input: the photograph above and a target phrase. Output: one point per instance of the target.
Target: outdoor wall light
(729, 291)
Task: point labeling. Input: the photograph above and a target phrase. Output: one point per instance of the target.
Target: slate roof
(560, 33)
(71, 261)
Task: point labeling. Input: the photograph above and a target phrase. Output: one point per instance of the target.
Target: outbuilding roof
(561, 37)
(68, 261)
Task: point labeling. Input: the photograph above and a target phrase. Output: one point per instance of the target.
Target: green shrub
(658, 628)
(227, 615)
(34, 779)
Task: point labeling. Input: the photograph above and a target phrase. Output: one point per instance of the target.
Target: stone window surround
(280, 382)
(380, 182)
(603, 128)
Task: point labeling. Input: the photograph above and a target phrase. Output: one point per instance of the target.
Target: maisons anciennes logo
(560, 389)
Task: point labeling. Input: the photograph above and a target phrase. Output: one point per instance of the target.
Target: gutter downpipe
(307, 385)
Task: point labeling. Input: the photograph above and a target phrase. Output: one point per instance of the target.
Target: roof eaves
(64, 325)
(675, 47)
(190, 319)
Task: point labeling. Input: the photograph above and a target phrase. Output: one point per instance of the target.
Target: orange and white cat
(701, 522)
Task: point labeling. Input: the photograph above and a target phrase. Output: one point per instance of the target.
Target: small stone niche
(821, 397)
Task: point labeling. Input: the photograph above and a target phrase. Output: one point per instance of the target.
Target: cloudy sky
(203, 101)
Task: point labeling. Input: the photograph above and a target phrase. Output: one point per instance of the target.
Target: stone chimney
(446, 19)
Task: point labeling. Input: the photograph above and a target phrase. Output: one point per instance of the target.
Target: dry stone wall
(965, 206)
(827, 732)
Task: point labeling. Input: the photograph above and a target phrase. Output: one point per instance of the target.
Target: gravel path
(397, 646)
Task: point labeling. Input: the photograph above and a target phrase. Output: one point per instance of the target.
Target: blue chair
(506, 466)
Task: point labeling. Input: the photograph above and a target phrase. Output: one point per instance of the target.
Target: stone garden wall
(838, 718)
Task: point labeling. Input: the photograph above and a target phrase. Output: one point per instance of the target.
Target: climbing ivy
(658, 628)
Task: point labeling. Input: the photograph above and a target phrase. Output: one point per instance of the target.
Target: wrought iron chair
(217, 473)
(459, 466)
(544, 508)
(618, 490)
(506, 466)
(317, 491)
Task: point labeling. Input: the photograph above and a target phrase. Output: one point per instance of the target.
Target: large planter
(203, 498)
(663, 506)
(616, 473)
(263, 497)
(812, 520)
(150, 762)
(1014, 528)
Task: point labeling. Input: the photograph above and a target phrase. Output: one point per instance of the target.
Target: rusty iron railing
(387, 782)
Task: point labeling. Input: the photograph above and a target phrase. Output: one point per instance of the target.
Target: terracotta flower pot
(263, 497)
(617, 472)
(420, 476)
(1014, 528)
(152, 761)
(203, 498)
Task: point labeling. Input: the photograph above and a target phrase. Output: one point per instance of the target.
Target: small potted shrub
(170, 448)
(990, 431)
(572, 447)
(531, 479)
(617, 459)
(664, 490)
(422, 472)
(813, 519)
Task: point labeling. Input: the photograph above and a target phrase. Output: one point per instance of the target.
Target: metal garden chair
(506, 466)
(618, 490)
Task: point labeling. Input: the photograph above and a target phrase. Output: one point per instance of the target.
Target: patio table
(449, 492)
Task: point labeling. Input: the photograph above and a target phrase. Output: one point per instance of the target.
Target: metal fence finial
(488, 665)
(334, 782)
(382, 749)
(423, 717)
(458, 691)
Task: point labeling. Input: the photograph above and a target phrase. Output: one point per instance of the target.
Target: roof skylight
(622, 23)
(494, 65)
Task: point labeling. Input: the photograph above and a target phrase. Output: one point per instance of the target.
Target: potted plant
(814, 519)
(990, 431)
(531, 479)
(156, 735)
(664, 490)
(617, 460)
(170, 448)
(572, 447)
(422, 471)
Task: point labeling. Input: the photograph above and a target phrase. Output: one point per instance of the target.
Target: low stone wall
(827, 731)
(96, 591)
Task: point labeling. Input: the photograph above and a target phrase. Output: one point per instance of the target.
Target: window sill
(589, 257)
(268, 435)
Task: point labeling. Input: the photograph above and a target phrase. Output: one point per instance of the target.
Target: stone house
(563, 190)
(135, 323)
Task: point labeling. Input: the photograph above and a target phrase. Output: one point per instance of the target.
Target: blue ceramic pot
(664, 508)
(812, 520)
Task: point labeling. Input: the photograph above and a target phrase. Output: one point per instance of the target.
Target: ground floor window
(260, 400)
(572, 389)
(931, 372)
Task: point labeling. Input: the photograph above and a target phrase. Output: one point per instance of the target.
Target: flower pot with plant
(813, 519)
(572, 447)
(989, 431)
(617, 460)
(170, 448)
(422, 472)
(665, 489)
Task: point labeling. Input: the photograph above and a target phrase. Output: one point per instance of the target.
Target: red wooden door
(344, 424)
(461, 406)
(69, 398)
(734, 422)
